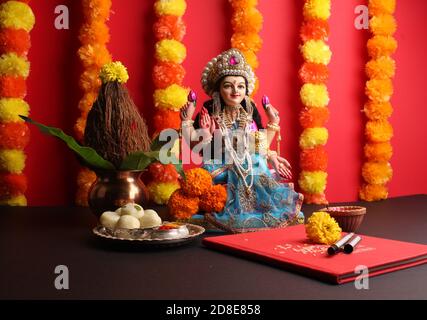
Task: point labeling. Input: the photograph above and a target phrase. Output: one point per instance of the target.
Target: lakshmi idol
(237, 149)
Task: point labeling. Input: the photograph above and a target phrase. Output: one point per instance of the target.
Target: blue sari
(268, 203)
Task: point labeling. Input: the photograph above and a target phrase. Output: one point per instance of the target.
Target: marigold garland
(93, 53)
(314, 96)
(246, 22)
(169, 94)
(322, 228)
(377, 171)
(16, 21)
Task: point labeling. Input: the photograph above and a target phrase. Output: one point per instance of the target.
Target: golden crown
(229, 63)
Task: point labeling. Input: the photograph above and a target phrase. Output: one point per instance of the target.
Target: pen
(349, 247)
(337, 245)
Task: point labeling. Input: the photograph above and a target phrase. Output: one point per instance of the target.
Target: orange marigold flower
(247, 21)
(96, 9)
(378, 110)
(214, 200)
(377, 7)
(182, 206)
(373, 192)
(167, 73)
(251, 59)
(383, 24)
(315, 198)
(381, 68)
(315, 159)
(379, 90)
(12, 185)
(14, 135)
(381, 46)
(377, 172)
(169, 27)
(165, 119)
(314, 117)
(381, 151)
(378, 131)
(246, 41)
(314, 73)
(197, 182)
(94, 32)
(314, 29)
(14, 40)
(12, 87)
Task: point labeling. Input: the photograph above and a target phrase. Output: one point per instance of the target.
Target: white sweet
(150, 219)
(109, 219)
(132, 209)
(128, 222)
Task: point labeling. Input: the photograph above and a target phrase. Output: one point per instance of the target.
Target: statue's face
(233, 90)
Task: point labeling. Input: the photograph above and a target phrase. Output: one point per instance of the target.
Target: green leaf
(139, 160)
(89, 155)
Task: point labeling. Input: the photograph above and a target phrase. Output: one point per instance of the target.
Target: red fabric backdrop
(54, 94)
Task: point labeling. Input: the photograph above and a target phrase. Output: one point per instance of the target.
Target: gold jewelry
(228, 63)
(187, 123)
(273, 126)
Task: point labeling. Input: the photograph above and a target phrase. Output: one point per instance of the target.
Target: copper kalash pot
(113, 189)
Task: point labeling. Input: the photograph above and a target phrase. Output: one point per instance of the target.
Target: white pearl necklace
(239, 161)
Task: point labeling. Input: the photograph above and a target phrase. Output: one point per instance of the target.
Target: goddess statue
(236, 149)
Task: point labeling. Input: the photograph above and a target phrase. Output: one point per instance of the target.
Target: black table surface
(34, 240)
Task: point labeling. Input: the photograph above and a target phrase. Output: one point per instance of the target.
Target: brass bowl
(349, 218)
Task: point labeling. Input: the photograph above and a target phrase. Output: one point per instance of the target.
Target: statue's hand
(187, 111)
(205, 120)
(281, 166)
(272, 114)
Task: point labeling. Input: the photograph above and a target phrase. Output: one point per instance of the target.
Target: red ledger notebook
(290, 249)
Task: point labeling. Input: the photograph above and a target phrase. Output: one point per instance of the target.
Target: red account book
(290, 249)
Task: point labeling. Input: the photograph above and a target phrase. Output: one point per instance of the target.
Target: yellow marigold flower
(379, 90)
(313, 181)
(377, 172)
(312, 137)
(378, 131)
(381, 46)
(170, 7)
(381, 151)
(114, 71)
(160, 192)
(15, 201)
(377, 7)
(378, 110)
(314, 95)
(381, 68)
(316, 51)
(173, 97)
(12, 65)
(170, 51)
(322, 228)
(12, 160)
(317, 9)
(11, 108)
(197, 182)
(383, 24)
(373, 192)
(16, 15)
